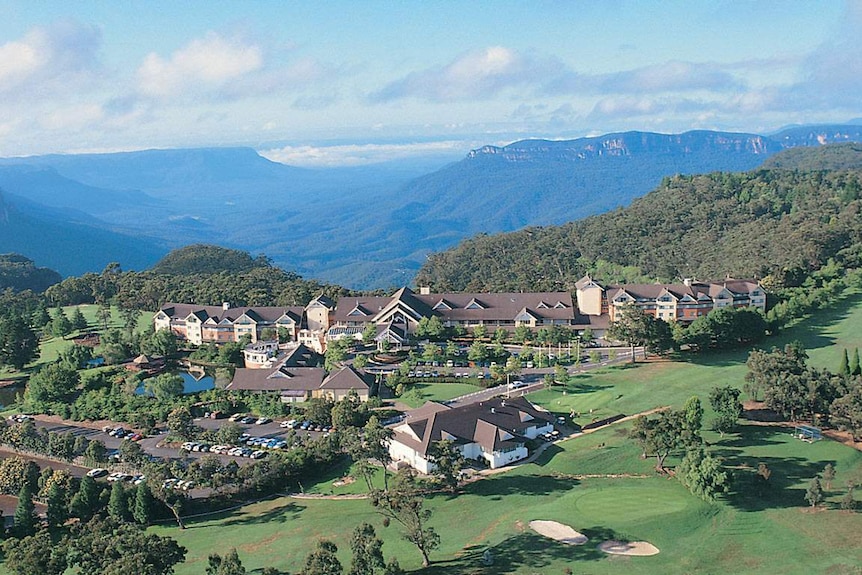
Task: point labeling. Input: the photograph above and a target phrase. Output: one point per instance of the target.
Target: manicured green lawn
(435, 392)
(744, 533)
(50, 347)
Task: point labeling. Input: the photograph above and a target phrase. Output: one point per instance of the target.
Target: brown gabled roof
(346, 378)
(283, 378)
(502, 306)
(259, 314)
(488, 423)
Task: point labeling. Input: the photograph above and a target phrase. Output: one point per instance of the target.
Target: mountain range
(362, 227)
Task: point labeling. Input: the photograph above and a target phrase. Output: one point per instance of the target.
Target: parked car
(518, 384)
(97, 472)
(263, 420)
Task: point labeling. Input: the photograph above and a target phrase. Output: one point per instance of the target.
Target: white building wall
(500, 459)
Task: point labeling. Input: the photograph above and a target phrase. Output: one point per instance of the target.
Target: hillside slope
(782, 222)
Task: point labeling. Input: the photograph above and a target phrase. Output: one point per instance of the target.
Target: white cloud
(361, 154)
(49, 59)
(73, 117)
(206, 63)
(478, 74)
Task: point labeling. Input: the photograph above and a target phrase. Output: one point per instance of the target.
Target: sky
(328, 83)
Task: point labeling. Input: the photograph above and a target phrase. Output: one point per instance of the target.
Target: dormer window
(560, 305)
(442, 304)
(474, 304)
(542, 305)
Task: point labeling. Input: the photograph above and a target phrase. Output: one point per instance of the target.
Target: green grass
(50, 347)
(435, 392)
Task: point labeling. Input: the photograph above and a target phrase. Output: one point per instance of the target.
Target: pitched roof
(493, 424)
(180, 311)
(283, 378)
(346, 378)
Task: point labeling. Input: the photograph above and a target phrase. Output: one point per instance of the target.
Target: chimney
(687, 282)
(225, 306)
(424, 290)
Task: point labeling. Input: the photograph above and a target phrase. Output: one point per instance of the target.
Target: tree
(118, 505)
(143, 509)
(393, 568)
(86, 501)
(323, 560)
(661, 436)
(479, 331)
(161, 342)
(828, 476)
(104, 315)
(96, 451)
(58, 510)
(692, 413)
(19, 344)
(372, 444)
(367, 551)
(765, 369)
(478, 351)
(703, 474)
(635, 327)
(848, 503)
(846, 410)
(336, 353)
(79, 322)
(403, 503)
(25, 513)
(728, 409)
(37, 554)
(814, 493)
(448, 462)
(41, 318)
(181, 423)
(130, 317)
(54, 382)
(164, 386)
(844, 367)
(855, 365)
(522, 334)
(105, 547)
(60, 324)
(227, 565)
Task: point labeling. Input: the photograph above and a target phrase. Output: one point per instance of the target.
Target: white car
(97, 472)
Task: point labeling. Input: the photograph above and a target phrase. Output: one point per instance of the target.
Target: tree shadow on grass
(578, 388)
(520, 485)
(788, 476)
(280, 514)
(810, 330)
(526, 550)
(547, 455)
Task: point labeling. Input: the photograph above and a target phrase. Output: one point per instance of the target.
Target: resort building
(494, 431)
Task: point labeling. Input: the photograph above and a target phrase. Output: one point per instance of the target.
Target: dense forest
(20, 273)
(778, 224)
(201, 274)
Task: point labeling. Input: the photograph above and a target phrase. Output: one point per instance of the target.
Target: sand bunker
(559, 532)
(638, 548)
